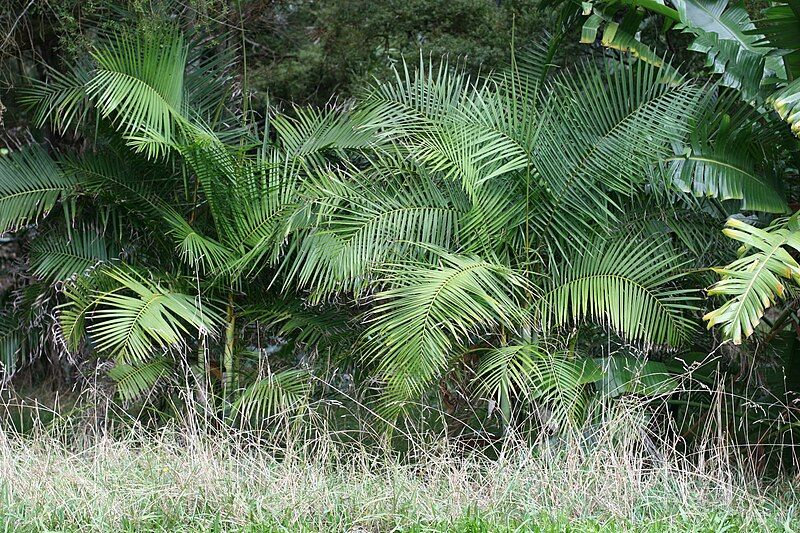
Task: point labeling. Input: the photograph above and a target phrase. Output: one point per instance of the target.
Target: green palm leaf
(532, 372)
(138, 83)
(730, 154)
(135, 381)
(603, 131)
(630, 375)
(724, 33)
(369, 225)
(61, 99)
(57, 257)
(628, 285)
(415, 325)
(31, 184)
(131, 326)
(278, 393)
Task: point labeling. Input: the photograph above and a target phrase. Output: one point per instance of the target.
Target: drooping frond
(755, 280)
(279, 393)
(57, 257)
(627, 284)
(430, 310)
(135, 381)
(109, 176)
(31, 184)
(724, 32)
(320, 326)
(136, 317)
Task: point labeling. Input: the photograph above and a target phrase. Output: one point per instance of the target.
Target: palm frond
(31, 184)
(61, 99)
(138, 83)
(132, 326)
(531, 372)
(627, 284)
(602, 131)
(279, 393)
(630, 375)
(724, 33)
(58, 257)
(369, 225)
(724, 157)
(138, 380)
(416, 324)
(309, 131)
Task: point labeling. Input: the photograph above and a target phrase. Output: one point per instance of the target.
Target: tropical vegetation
(515, 251)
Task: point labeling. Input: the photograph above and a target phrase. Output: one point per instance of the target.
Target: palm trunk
(229, 357)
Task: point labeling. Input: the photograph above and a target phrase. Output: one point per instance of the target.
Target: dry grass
(180, 478)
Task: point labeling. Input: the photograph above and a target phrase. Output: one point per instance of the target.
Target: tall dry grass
(615, 475)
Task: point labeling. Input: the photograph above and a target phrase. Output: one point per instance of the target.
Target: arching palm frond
(430, 310)
(416, 99)
(279, 393)
(107, 175)
(467, 132)
(147, 198)
(135, 381)
(132, 327)
(138, 84)
(58, 257)
(628, 285)
(266, 205)
(31, 184)
(602, 131)
(534, 63)
(755, 281)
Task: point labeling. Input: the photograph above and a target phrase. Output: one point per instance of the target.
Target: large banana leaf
(756, 280)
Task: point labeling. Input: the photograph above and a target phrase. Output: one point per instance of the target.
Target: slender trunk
(229, 358)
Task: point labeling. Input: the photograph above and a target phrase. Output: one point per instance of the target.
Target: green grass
(182, 479)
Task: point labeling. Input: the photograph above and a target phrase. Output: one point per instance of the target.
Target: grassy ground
(185, 479)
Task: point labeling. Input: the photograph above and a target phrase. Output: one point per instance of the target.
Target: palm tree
(442, 226)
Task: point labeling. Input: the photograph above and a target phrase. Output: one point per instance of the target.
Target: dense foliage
(514, 245)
